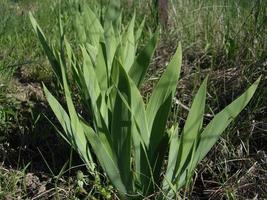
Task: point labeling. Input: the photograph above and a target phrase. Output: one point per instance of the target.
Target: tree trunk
(163, 12)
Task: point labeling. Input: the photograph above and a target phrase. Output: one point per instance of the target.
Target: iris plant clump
(128, 137)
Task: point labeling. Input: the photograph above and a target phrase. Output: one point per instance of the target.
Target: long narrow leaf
(80, 143)
(106, 157)
(92, 25)
(139, 31)
(192, 128)
(128, 46)
(219, 123)
(173, 155)
(49, 52)
(160, 101)
(101, 68)
(141, 63)
(121, 129)
(112, 15)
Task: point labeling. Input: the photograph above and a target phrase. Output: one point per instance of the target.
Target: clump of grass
(16, 36)
(12, 184)
(236, 30)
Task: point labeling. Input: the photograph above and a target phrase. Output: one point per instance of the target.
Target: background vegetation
(226, 39)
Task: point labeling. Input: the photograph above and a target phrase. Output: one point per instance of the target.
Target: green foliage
(8, 112)
(128, 137)
(12, 184)
(222, 28)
